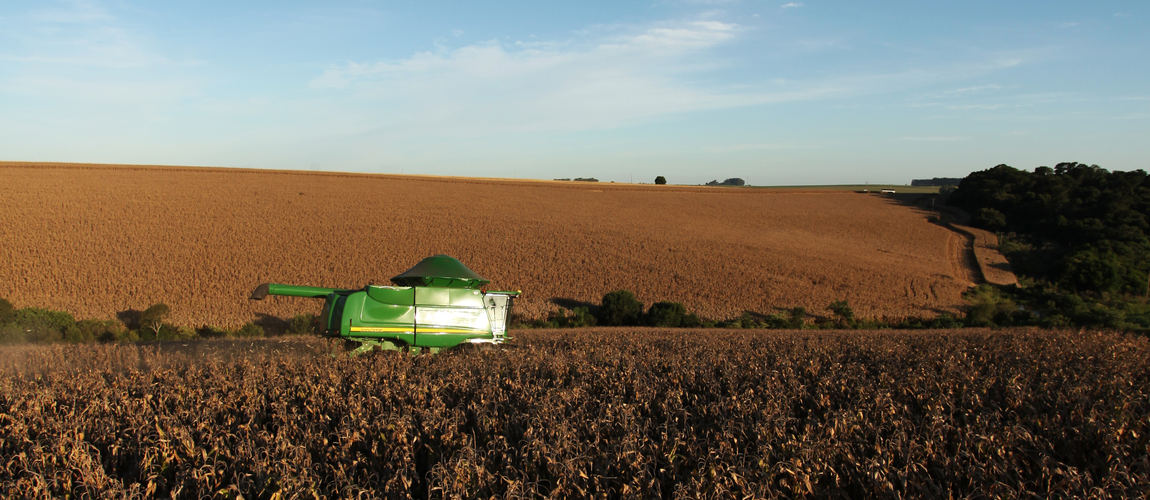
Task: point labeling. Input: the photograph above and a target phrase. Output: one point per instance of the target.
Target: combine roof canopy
(440, 270)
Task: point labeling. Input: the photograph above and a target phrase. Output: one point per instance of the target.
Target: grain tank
(437, 304)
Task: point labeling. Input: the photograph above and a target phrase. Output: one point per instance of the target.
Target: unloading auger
(436, 305)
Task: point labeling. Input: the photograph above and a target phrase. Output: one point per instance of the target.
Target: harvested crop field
(95, 240)
(606, 413)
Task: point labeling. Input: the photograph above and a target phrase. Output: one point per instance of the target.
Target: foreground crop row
(601, 412)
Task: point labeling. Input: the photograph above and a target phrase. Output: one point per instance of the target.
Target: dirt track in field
(96, 239)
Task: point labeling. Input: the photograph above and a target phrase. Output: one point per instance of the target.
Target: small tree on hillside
(660, 180)
(797, 316)
(152, 319)
(621, 308)
(843, 311)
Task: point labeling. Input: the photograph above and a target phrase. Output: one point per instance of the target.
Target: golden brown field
(96, 239)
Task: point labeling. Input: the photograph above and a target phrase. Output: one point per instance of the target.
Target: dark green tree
(846, 315)
(666, 314)
(621, 308)
(152, 319)
(798, 316)
(990, 218)
(660, 180)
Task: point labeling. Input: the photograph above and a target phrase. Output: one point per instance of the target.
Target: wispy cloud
(83, 35)
(608, 81)
(604, 78)
(977, 106)
(932, 139)
(772, 146)
(79, 54)
(791, 5)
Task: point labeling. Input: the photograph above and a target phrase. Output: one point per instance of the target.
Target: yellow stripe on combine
(449, 330)
(381, 329)
(378, 329)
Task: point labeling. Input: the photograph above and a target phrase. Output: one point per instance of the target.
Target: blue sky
(775, 92)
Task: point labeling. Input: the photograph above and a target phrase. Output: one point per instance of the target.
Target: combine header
(438, 304)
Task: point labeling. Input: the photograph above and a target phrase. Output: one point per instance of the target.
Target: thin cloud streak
(616, 80)
(932, 139)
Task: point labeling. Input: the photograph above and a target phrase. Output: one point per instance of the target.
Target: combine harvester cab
(438, 304)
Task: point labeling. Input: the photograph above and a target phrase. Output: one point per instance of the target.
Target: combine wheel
(357, 347)
(480, 347)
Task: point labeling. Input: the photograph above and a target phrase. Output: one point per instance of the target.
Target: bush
(302, 323)
(798, 316)
(186, 333)
(945, 320)
(776, 321)
(34, 316)
(621, 308)
(7, 312)
(249, 329)
(211, 332)
(660, 180)
(43, 325)
(844, 312)
(991, 308)
(692, 320)
(11, 334)
(747, 321)
(94, 330)
(666, 314)
(581, 316)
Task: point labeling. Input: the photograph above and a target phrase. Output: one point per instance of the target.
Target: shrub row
(622, 308)
(36, 325)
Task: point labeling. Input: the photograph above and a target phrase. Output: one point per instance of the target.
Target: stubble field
(95, 240)
(597, 413)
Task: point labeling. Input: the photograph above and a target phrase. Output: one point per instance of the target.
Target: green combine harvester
(436, 305)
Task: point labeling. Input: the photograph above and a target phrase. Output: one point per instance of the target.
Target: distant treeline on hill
(580, 179)
(937, 181)
(733, 181)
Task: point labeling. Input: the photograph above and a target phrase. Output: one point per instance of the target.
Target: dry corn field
(604, 413)
(96, 240)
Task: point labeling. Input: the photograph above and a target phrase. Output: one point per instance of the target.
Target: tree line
(1075, 234)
